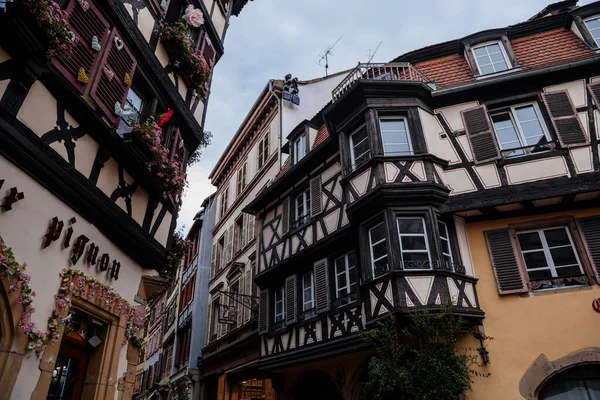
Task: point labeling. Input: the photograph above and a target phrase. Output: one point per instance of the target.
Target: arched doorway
(315, 386)
(578, 383)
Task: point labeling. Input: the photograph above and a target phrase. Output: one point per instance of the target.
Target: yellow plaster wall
(524, 326)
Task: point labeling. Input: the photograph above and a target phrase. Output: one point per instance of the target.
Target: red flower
(165, 118)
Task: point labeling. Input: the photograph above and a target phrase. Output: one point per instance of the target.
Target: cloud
(273, 37)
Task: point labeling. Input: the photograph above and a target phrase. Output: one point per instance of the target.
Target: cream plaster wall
(23, 228)
(582, 158)
(488, 173)
(458, 180)
(38, 111)
(162, 234)
(139, 203)
(452, 114)
(218, 20)
(537, 169)
(523, 327)
(129, 9)
(4, 56)
(145, 23)
(3, 86)
(576, 89)
(108, 179)
(436, 145)
(199, 113)
(161, 55)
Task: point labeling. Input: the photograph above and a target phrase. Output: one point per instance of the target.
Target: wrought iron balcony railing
(401, 71)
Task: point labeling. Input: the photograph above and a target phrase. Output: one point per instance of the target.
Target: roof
(237, 6)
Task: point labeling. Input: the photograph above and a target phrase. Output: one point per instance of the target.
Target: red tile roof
(556, 46)
(547, 48)
(321, 136)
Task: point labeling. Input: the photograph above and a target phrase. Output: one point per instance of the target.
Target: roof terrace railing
(401, 71)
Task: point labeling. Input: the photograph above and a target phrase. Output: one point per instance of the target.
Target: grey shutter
(290, 299)
(209, 326)
(509, 51)
(285, 216)
(321, 285)
(590, 230)
(564, 118)
(594, 89)
(509, 276)
(315, 196)
(263, 312)
(213, 261)
(248, 292)
(480, 134)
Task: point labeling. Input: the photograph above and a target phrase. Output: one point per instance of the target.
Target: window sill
(495, 74)
(301, 226)
(530, 157)
(568, 289)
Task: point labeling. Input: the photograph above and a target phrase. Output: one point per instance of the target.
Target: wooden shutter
(248, 292)
(290, 299)
(222, 327)
(251, 228)
(480, 134)
(564, 118)
(315, 196)
(285, 216)
(208, 52)
(210, 326)
(213, 261)
(108, 92)
(509, 276)
(245, 223)
(160, 6)
(230, 244)
(263, 312)
(85, 24)
(239, 308)
(594, 89)
(590, 230)
(321, 285)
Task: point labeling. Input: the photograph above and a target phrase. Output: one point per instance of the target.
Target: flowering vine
(73, 283)
(52, 20)
(179, 246)
(168, 172)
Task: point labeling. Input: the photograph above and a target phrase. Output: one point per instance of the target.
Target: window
(394, 135)
(345, 278)
(168, 361)
(521, 130)
(220, 253)
(593, 25)
(308, 291)
(234, 302)
(550, 257)
(263, 151)
(580, 382)
(490, 58)
(239, 233)
(241, 178)
(300, 148)
(414, 246)
(379, 257)
(446, 249)
(131, 112)
(302, 209)
(279, 302)
(224, 201)
(216, 311)
(359, 146)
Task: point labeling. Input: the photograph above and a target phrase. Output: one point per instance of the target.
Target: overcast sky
(273, 37)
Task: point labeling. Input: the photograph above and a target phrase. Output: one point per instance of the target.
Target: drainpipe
(280, 109)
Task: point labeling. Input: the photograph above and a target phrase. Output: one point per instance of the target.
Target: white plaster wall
(4, 56)
(139, 203)
(129, 9)
(161, 55)
(108, 179)
(458, 180)
(199, 113)
(488, 173)
(452, 114)
(208, 4)
(218, 19)
(463, 244)
(537, 169)
(38, 111)
(182, 88)
(435, 144)
(582, 158)
(145, 23)
(162, 234)
(23, 228)
(576, 90)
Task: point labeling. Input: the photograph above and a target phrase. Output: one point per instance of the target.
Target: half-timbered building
(88, 205)
(464, 174)
(251, 160)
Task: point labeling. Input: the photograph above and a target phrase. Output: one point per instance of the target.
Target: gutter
(512, 77)
(280, 110)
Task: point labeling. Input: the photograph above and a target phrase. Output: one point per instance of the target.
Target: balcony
(401, 71)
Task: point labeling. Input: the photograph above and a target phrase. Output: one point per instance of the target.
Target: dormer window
(593, 25)
(491, 58)
(300, 147)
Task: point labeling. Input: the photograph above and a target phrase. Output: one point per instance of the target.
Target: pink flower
(193, 16)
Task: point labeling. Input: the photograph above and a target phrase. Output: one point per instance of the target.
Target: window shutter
(160, 6)
(594, 89)
(208, 52)
(263, 312)
(590, 230)
(290, 299)
(564, 118)
(213, 261)
(315, 196)
(251, 228)
(481, 136)
(178, 149)
(285, 216)
(248, 292)
(321, 285)
(222, 303)
(86, 24)
(239, 308)
(509, 276)
(230, 245)
(109, 89)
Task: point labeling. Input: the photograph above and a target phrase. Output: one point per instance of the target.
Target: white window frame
(547, 253)
(352, 144)
(408, 138)
(305, 205)
(241, 178)
(504, 54)
(300, 144)
(348, 287)
(281, 290)
(424, 235)
(263, 150)
(371, 245)
(517, 124)
(585, 21)
(447, 240)
(311, 302)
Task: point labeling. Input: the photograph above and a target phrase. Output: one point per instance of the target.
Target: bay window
(447, 258)
(378, 250)
(395, 137)
(414, 246)
(345, 278)
(360, 151)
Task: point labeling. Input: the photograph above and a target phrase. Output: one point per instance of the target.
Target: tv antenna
(371, 55)
(325, 55)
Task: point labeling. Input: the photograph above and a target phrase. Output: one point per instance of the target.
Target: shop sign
(227, 315)
(253, 389)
